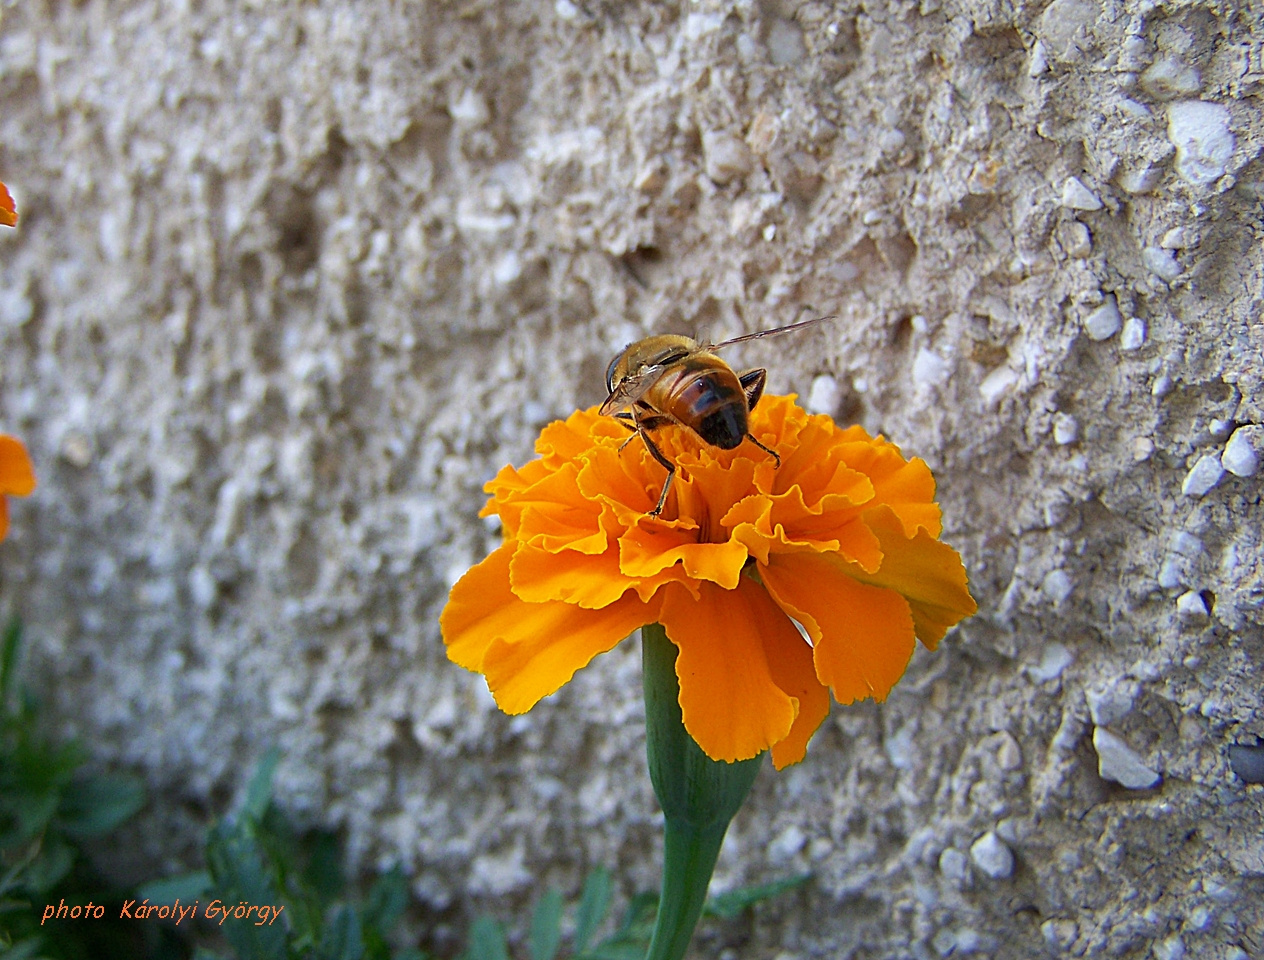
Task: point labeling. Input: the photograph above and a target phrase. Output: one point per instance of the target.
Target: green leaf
(387, 900)
(546, 926)
(639, 911)
(343, 939)
(13, 880)
(188, 887)
(97, 805)
(240, 872)
(324, 873)
(731, 904)
(24, 950)
(50, 867)
(594, 901)
(487, 941)
(259, 793)
(9, 660)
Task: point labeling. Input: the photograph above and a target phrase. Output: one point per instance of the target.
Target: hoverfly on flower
(675, 379)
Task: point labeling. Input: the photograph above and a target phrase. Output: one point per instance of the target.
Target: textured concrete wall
(293, 280)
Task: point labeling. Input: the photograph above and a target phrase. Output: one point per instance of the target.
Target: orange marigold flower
(842, 539)
(8, 210)
(17, 479)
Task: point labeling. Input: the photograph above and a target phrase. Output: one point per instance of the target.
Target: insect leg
(628, 421)
(767, 450)
(667, 464)
(752, 382)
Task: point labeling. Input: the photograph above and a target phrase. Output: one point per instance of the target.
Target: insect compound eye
(610, 371)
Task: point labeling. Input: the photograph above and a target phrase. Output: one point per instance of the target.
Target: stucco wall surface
(294, 279)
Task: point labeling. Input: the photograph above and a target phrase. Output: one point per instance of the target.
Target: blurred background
(293, 280)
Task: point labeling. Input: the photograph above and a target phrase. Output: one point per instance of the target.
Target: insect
(675, 379)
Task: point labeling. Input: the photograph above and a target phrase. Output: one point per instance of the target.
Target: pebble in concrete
(954, 865)
(1203, 476)
(1239, 456)
(1134, 335)
(1204, 144)
(1119, 762)
(1103, 322)
(1076, 196)
(992, 856)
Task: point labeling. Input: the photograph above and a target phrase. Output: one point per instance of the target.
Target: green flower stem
(699, 797)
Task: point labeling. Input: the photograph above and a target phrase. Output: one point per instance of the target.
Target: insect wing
(631, 389)
(759, 335)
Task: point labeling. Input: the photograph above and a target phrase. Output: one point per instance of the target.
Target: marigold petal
(730, 703)
(504, 485)
(817, 465)
(564, 441)
(614, 476)
(555, 517)
(17, 476)
(784, 523)
(907, 486)
(708, 487)
(553, 640)
(790, 662)
(929, 574)
(4, 516)
(592, 582)
(648, 550)
(528, 650)
(862, 635)
(478, 608)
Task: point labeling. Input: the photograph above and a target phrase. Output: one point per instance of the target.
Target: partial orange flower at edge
(17, 477)
(842, 538)
(8, 209)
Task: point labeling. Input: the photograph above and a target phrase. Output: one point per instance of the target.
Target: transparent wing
(759, 335)
(631, 389)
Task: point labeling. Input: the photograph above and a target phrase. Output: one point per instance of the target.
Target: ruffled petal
(708, 486)
(929, 574)
(528, 650)
(555, 517)
(590, 582)
(906, 486)
(730, 702)
(564, 441)
(553, 640)
(648, 550)
(620, 478)
(862, 635)
(785, 524)
(502, 487)
(480, 607)
(790, 662)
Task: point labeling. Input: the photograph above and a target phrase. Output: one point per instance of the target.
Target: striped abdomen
(705, 395)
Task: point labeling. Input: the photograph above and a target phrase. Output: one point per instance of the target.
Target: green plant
(48, 807)
(255, 858)
(259, 859)
(631, 937)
